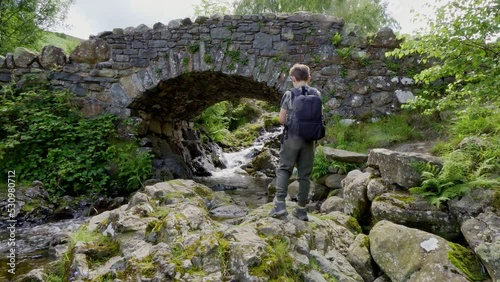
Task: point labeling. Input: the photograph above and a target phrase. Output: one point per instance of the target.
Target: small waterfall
(246, 189)
(235, 160)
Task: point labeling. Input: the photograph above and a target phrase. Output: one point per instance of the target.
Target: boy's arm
(284, 107)
(282, 117)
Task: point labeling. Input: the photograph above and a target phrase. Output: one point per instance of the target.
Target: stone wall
(168, 74)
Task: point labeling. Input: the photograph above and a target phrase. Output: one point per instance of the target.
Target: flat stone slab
(398, 167)
(332, 154)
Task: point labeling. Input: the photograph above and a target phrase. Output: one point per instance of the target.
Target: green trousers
(295, 151)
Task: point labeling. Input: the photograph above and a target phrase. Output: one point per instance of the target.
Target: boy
(294, 150)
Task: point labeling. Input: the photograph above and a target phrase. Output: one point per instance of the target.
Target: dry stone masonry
(168, 74)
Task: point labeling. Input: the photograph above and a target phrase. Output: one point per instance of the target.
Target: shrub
(43, 137)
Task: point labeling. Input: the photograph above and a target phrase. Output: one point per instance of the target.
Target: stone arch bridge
(168, 74)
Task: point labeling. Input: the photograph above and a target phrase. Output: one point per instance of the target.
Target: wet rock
(413, 211)
(391, 244)
(223, 187)
(398, 167)
(265, 162)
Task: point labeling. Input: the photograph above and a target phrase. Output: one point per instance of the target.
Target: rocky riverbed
(364, 226)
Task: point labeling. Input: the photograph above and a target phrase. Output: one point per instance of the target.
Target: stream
(35, 244)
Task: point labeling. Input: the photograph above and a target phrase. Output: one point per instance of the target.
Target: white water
(235, 160)
(251, 191)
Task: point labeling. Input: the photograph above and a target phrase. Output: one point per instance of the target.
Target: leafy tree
(22, 21)
(369, 15)
(461, 43)
(212, 7)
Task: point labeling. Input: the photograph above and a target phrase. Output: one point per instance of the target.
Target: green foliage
(212, 7)
(344, 53)
(207, 59)
(22, 22)
(214, 121)
(193, 48)
(359, 137)
(231, 123)
(277, 264)
(458, 43)
(321, 165)
(66, 42)
(185, 62)
(43, 137)
(392, 64)
(473, 164)
(369, 15)
(336, 39)
(461, 173)
(132, 165)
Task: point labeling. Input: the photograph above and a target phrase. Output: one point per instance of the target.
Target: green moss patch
(465, 260)
(277, 264)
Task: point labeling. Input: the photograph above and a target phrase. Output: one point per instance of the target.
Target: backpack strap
(297, 92)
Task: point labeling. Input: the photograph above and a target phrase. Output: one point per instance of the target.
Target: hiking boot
(300, 213)
(279, 210)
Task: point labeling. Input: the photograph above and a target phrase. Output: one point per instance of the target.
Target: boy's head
(300, 72)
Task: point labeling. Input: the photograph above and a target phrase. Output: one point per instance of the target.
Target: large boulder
(407, 254)
(265, 162)
(334, 181)
(483, 235)
(356, 200)
(91, 51)
(23, 57)
(332, 204)
(399, 168)
(385, 38)
(359, 257)
(413, 211)
(317, 192)
(472, 204)
(52, 57)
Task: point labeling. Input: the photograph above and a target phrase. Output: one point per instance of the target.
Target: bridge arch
(168, 74)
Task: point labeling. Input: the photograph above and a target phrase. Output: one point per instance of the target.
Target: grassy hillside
(67, 42)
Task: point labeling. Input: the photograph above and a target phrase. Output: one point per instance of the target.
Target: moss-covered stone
(465, 260)
(277, 264)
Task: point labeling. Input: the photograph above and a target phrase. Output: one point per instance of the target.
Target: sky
(89, 17)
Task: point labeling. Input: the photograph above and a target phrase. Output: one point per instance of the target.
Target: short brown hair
(300, 72)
